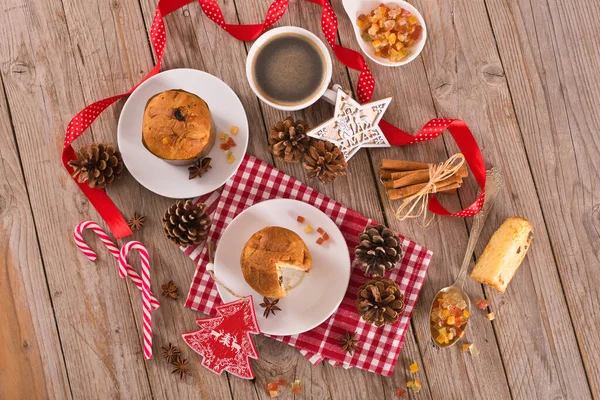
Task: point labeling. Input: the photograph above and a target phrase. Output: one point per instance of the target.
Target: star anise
(200, 167)
(137, 221)
(170, 290)
(181, 367)
(170, 352)
(348, 342)
(270, 306)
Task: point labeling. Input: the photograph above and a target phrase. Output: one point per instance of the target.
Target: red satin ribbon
(350, 58)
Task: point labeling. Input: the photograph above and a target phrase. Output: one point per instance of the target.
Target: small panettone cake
(177, 127)
(274, 260)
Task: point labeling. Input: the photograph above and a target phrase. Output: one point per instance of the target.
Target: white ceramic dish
(356, 7)
(166, 179)
(320, 292)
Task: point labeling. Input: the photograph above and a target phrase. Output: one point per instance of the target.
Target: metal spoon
(493, 185)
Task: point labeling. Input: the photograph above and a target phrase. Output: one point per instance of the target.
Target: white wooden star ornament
(353, 125)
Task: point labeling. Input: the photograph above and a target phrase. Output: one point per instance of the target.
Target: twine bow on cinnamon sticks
(414, 182)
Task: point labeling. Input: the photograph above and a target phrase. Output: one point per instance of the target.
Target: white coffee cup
(323, 91)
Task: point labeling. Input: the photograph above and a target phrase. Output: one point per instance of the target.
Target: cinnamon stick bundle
(419, 176)
(447, 184)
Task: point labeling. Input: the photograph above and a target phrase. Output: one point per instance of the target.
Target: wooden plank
(31, 359)
(533, 328)
(554, 99)
(99, 339)
(411, 107)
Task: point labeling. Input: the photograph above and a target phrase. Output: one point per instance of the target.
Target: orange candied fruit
(482, 304)
(465, 347)
(234, 130)
(390, 31)
(320, 230)
(414, 385)
(320, 241)
(414, 367)
(271, 387)
(491, 316)
(300, 219)
(400, 392)
(325, 236)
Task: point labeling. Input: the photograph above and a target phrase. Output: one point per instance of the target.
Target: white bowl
(356, 7)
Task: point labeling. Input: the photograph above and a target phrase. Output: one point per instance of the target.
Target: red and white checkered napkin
(256, 181)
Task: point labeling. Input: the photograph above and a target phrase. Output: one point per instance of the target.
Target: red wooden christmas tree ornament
(224, 341)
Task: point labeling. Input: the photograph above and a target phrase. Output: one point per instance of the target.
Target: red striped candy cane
(147, 331)
(125, 271)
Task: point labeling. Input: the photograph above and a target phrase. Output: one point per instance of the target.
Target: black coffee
(289, 69)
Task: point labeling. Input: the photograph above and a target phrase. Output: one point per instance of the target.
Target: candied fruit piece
(228, 153)
(416, 34)
(410, 384)
(417, 386)
(451, 320)
(224, 146)
(320, 241)
(231, 142)
(320, 230)
(473, 350)
(230, 159)
(491, 316)
(466, 314)
(296, 387)
(373, 29)
(413, 368)
(325, 236)
(412, 20)
(308, 229)
(400, 392)
(234, 130)
(273, 393)
(445, 313)
(465, 347)
(271, 386)
(281, 382)
(223, 136)
(300, 219)
(482, 304)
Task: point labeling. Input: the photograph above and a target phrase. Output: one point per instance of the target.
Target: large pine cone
(380, 301)
(379, 250)
(98, 165)
(186, 223)
(288, 140)
(325, 161)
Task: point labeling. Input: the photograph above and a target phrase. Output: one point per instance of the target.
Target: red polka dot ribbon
(350, 58)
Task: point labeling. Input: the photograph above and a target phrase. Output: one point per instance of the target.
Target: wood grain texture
(31, 361)
(521, 74)
(552, 99)
(535, 335)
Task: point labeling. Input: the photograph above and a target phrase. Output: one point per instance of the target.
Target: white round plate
(322, 289)
(169, 180)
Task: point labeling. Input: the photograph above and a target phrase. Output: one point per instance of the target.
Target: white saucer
(161, 177)
(320, 292)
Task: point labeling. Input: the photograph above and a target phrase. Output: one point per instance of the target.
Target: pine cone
(380, 301)
(379, 250)
(98, 164)
(186, 223)
(324, 160)
(288, 140)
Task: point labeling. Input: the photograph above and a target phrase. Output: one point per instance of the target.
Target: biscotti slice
(504, 253)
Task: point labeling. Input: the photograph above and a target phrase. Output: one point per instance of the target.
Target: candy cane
(145, 291)
(124, 271)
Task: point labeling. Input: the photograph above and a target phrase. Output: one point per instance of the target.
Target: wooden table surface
(523, 74)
